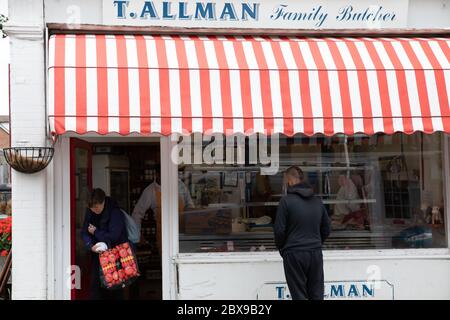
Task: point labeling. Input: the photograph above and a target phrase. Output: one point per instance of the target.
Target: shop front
(213, 101)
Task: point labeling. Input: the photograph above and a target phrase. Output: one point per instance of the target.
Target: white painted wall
(73, 11)
(413, 275)
(28, 125)
(4, 62)
(429, 14)
(421, 13)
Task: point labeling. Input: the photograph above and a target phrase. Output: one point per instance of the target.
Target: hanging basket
(28, 159)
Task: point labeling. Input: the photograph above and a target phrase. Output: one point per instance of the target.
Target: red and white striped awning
(166, 84)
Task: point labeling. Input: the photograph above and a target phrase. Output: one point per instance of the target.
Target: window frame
(175, 254)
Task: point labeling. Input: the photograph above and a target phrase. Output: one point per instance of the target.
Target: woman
(103, 222)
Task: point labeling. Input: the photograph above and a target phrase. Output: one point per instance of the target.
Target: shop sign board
(334, 290)
(288, 14)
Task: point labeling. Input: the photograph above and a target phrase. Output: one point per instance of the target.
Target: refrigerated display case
(252, 202)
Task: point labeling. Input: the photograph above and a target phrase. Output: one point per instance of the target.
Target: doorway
(123, 170)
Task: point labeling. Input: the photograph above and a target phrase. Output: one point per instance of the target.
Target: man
(151, 199)
(103, 222)
(301, 226)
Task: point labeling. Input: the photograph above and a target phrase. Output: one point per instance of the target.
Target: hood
(304, 190)
(110, 204)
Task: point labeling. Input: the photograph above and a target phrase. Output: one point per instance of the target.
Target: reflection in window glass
(380, 191)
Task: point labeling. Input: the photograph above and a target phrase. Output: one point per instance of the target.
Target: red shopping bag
(118, 267)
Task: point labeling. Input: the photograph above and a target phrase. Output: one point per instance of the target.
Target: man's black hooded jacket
(302, 222)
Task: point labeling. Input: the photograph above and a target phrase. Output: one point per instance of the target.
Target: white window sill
(329, 255)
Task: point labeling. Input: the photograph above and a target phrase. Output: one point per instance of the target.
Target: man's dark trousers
(304, 274)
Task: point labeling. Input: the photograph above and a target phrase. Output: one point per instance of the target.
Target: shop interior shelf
(281, 168)
(244, 241)
(275, 203)
(260, 235)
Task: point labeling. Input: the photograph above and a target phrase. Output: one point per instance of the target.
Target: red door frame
(76, 143)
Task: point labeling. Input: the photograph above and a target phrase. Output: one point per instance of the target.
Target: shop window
(381, 191)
